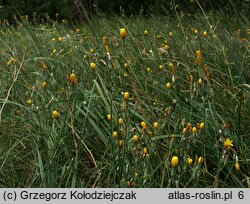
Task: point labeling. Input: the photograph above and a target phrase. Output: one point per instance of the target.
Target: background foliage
(66, 8)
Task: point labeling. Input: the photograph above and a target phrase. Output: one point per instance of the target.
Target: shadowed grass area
(65, 120)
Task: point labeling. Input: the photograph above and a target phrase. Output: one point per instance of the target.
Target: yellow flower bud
(189, 161)
(109, 117)
(168, 85)
(115, 134)
(237, 166)
(123, 33)
(143, 124)
(55, 114)
(120, 121)
(29, 101)
(92, 65)
(135, 138)
(174, 161)
(72, 78)
(194, 129)
(146, 32)
(126, 96)
(60, 39)
(200, 160)
(200, 81)
(156, 125)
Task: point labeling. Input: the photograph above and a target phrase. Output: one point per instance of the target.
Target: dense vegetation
(162, 102)
(84, 9)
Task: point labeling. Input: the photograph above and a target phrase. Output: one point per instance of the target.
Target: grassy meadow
(125, 102)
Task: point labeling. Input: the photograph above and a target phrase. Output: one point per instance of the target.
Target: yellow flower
(109, 117)
(44, 84)
(228, 143)
(123, 33)
(146, 32)
(171, 65)
(189, 161)
(184, 130)
(202, 125)
(145, 150)
(52, 40)
(126, 96)
(60, 39)
(121, 143)
(91, 50)
(168, 85)
(55, 114)
(170, 34)
(205, 33)
(198, 57)
(120, 121)
(125, 65)
(29, 101)
(53, 52)
(92, 65)
(148, 69)
(143, 124)
(200, 160)
(160, 67)
(72, 78)
(174, 161)
(200, 81)
(135, 138)
(156, 125)
(115, 134)
(194, 129)
(237, 166)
